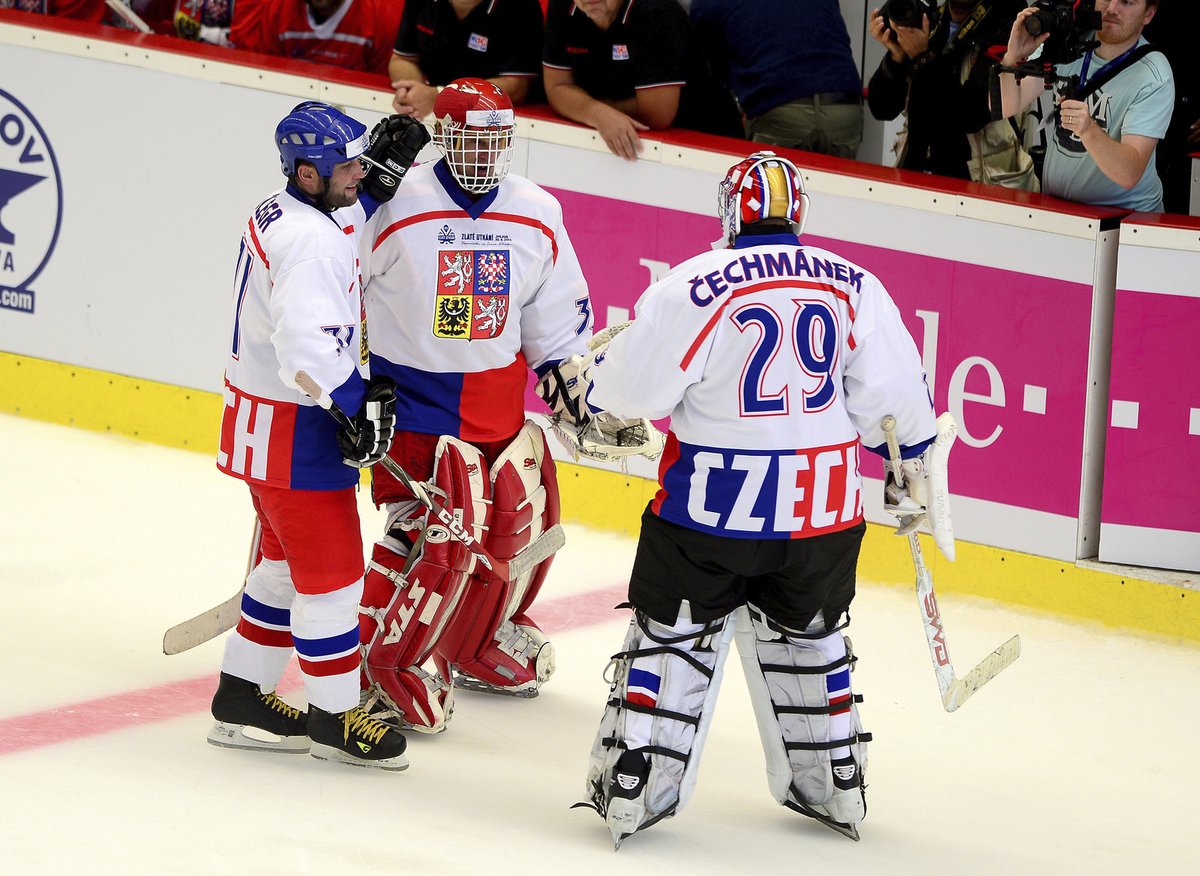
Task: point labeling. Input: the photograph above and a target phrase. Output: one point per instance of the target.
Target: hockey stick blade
(989, 667)
(204, 626)
(954, 691)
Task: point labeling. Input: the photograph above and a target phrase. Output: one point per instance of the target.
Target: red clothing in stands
(358, 36)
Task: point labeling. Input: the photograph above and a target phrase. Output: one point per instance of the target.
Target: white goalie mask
(474, 126)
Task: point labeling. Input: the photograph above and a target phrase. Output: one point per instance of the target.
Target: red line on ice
(178, 698)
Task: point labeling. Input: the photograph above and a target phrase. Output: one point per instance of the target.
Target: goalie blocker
(434, 601)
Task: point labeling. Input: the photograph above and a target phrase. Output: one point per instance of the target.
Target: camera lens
(1038, 23)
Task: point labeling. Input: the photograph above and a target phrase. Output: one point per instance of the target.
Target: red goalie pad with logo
(525, 503)
(407, 601)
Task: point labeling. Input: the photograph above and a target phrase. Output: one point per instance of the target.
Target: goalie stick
(955, 691)
(219, 619)
(541, 548)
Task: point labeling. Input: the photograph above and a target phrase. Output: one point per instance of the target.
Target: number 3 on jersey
(815, 343)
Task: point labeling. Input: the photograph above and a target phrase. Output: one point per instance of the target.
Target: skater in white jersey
(775, 361)
(298, 306)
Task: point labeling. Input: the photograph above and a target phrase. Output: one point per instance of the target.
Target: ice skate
(249, 719)
(354, 737)
(518, 662)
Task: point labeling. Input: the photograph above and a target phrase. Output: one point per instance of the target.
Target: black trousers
(789, 579)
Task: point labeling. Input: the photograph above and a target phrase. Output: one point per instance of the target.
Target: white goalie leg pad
(646, 755)
(807, 715)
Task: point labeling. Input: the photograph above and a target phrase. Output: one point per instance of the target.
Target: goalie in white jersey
(298, 307)
(775, 361)
(471, 282)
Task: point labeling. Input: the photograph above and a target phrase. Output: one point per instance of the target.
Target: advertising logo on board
(30, 204)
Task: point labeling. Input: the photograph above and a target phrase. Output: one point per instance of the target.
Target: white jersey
(464, 298)
(773, 360)
(297, 306)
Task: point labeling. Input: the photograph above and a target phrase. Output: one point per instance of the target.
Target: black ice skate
(354, 737)
(250, 719)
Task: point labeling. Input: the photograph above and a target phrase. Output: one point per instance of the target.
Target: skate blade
(245, 738)
(846, 830)
(466, 682)
(396, 764)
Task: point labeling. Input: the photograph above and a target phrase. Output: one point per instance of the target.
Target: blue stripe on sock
(279, 617)
(329, 645)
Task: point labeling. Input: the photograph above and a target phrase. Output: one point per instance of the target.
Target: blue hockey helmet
(319, 134)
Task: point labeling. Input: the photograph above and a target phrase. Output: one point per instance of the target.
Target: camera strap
(1109, 70)
(968, 27)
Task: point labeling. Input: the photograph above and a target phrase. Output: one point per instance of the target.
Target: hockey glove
(395, 143)
(923, 494)
(563, 392)
(373, 427)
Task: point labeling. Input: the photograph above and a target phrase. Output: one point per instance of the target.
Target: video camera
(908, 13)
(1070, 24)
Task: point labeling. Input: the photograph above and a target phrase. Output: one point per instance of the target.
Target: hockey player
(471, 282)
(774, 360)
(298, 306)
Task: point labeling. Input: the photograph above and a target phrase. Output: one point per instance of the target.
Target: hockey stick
(134, 20)
(955, 691)
(210, 624)
(527, 560)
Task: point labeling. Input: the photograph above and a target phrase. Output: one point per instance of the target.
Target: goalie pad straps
(409, 599)
(647, 752)
(807, 715)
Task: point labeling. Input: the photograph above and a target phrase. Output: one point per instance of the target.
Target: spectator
(351, 34)
(1172, 31)
(937, 72)
(627, 66)
(1105, 130)
(802, 93)
(95, 11)
(442, 40)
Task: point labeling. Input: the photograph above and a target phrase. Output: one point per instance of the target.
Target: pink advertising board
(1011, 348)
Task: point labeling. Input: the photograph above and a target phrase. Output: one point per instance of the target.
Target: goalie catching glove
(587, 432)
(394, 146)
(922, 494)
(372, 428)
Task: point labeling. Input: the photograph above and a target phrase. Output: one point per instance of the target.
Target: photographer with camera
(936, 70)
(1115, 98)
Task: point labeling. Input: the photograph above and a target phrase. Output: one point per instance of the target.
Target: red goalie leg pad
(519, 658)
(408, 602)
(525, 503)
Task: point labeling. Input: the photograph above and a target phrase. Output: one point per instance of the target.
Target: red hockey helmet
(762, 186)
(474, 126)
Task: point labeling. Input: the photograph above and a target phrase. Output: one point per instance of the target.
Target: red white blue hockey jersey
(298, 306)
(464, 298)
(773, 360)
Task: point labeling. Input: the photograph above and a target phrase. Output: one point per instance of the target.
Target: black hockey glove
(373, 427)
(395, 143)
(563, 392)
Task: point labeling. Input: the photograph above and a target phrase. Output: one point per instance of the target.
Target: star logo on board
(30, 204)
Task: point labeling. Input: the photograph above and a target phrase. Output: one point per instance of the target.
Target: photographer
(1114, 103)
(936, 71)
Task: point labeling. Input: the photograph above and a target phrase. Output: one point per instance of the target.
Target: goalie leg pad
(493, 643)
(807, 716)
(409, 599)
(646, 755)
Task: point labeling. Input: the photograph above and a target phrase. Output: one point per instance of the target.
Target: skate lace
(363, 725)
(274, 702)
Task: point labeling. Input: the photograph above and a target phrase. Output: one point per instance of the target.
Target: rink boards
(115, 288)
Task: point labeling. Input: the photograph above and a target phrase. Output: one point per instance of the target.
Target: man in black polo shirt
(625, 66)
(443, 40)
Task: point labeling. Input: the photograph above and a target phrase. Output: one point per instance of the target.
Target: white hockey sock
(259, 648)
(325, 630)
